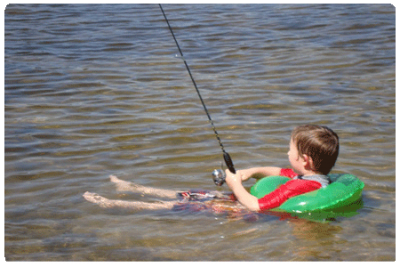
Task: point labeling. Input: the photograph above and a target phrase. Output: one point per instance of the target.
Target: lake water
(95, 90)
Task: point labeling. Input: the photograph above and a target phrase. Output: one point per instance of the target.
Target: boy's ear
(308, 162)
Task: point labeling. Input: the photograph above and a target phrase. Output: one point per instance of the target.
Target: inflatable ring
(344, 190)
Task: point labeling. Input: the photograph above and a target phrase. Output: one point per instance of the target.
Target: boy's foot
(124, 186)
(97, 199)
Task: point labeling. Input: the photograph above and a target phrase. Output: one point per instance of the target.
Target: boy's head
(319, 143)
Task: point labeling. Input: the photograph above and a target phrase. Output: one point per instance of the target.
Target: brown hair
(318, 142)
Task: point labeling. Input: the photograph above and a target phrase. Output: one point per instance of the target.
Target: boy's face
(294, 158)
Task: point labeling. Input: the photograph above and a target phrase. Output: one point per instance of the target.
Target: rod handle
(229, 163)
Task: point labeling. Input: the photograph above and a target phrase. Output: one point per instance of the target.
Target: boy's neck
(309, 173)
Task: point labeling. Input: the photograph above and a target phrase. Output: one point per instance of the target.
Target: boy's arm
(272, 200)
(258, 172)
(234, 181)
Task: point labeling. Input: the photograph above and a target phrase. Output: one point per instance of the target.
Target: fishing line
(227, 158)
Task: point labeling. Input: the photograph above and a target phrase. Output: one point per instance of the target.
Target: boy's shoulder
(287, 173)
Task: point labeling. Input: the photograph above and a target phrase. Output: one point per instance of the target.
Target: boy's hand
(244, 174)
(232, 180)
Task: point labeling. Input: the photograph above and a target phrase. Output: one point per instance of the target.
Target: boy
(312, 154)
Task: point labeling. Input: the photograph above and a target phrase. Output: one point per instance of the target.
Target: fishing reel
(219, 175)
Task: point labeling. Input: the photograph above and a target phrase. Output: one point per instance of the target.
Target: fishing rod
(219, 177)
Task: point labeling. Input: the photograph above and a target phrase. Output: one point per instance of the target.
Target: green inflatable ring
(344, 190)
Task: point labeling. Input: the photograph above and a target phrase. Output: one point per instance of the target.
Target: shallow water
(94, 90)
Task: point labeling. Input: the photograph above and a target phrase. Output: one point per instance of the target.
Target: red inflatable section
(289, 189)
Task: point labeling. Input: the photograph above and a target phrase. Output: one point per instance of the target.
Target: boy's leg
(134, 205)
(132, 187)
